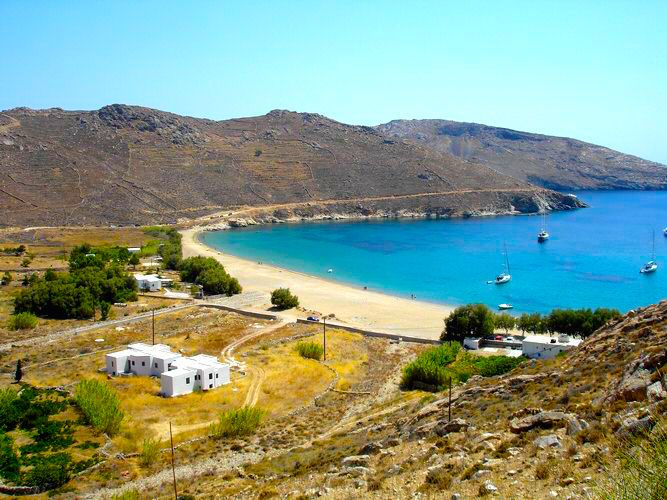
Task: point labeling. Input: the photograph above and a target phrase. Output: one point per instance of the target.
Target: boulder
(633, 426)
(355, 461)
(391, 442)
(443, 427)
(655, 392)
(370, 449)
(575, 426)
(549, 441)
(545, 419)
(356, 471)
(633, 386)
(488, 487)
(480, 473)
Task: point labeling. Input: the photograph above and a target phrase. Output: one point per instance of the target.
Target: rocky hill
(552, 162)
(549, 429)
(133, 165)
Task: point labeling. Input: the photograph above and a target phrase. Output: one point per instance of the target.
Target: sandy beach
(351, 305)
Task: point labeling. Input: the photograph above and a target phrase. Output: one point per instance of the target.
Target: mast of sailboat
(507, 260)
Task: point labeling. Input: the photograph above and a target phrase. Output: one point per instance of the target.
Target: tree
(105, 307)
(283, 299)
(504, 321)
(134, 260)
(472, 320)
(216, 281)
(531, 323)
(50, 275)
(26, 262)
(18, 374)
(7, 278)
(192, 267)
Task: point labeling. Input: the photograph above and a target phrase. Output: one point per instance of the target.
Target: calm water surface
(592, 259)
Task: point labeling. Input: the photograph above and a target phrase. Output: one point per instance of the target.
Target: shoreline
(351, 305)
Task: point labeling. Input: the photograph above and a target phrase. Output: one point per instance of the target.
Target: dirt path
(256, 372)
(301, 204)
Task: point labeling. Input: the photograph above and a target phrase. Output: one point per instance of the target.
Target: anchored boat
(651, 266)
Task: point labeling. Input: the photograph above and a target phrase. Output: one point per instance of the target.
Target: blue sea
(592, 259)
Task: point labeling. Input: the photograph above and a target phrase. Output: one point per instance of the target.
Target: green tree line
(477, 320)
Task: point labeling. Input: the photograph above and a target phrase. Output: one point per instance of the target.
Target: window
(155, 365)
(216, 375)
(143, 363)
(210, 376)
(132, 363)
(187, 380)
(210, 386)
(112, 364)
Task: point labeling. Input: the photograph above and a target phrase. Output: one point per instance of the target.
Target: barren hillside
(552, 162)
(132, 165)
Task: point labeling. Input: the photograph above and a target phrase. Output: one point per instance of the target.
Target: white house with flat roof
(148, 282)
(134, 249)
(178, 374)
(543, 347)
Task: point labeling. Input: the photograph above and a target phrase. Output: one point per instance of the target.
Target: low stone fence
(252, 314)
(370, 333)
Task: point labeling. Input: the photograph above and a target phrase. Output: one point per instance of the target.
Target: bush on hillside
(49, 471)
(643, 468)
(150, 450)
(100, 405)
(7, 278)
(472, 320)
(22, 321)
(237, 422)
(283, 299)
(10, 464)
(310, 350)
(428, 370)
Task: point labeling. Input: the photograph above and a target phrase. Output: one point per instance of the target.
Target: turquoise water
(592, 259)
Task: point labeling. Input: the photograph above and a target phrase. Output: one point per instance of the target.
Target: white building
(471, 343)
(543, 347)
(178, 374)
(134, 249)
(199, 372)
(148, 282)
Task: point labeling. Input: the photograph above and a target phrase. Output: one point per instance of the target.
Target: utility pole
(449, 406)
(325, 338)
(173, 470)
(153, 326)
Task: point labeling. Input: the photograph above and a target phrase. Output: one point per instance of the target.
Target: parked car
(499, 337)
(313, 318)
(510, 339)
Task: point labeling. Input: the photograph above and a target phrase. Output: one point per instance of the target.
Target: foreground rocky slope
(550, 429)
(127, 164)
(553, 162)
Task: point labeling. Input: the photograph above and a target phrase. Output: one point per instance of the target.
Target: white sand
(354, 306)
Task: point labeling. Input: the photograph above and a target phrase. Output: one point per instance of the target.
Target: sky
(593, 70)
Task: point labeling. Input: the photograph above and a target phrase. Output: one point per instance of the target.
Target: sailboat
(543, 236)
(504, 277)
(651, 266)
(664, 231)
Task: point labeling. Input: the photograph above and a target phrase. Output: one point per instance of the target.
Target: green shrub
(100, 405)
(9, 460)
(310, 350)
(643, 468)
(7, 278)
(49, 471)
(428, 370)
(150, 450)
(22, 321)
(237, 422)
(283, 299)
(490, 366)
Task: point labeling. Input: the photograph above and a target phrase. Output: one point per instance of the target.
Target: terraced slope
(132, 165)
(552, 162)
